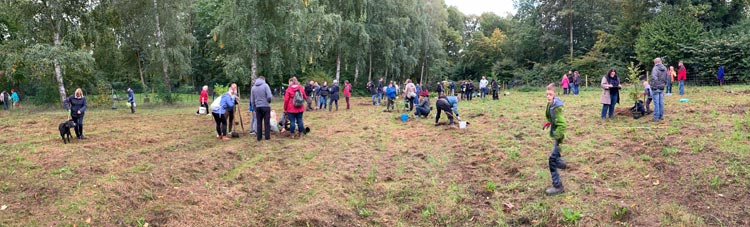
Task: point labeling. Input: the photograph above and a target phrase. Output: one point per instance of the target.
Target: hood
(556, 103)
(259, 81)
(661, 67)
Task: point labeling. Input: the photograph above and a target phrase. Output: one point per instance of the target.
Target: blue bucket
(404, 117)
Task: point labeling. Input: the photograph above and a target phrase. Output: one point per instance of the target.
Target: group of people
(11, 99)
(570, 83)
(322, 97)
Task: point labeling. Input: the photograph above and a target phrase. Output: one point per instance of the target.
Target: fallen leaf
(88, 221)
(656, 182)
(145, 224)
(4, 207)
(507, 207)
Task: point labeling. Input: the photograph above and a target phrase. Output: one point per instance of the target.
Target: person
(647, 93)
(230, 111)
(576, 82)
(260, 99)
(440, 88)
(347, 92)
(316, 96)
(495, 88)
(334, 93)
(610, 93)
(682, 76)
(77, 106)
(221, 113)
(463, 90)
(14, 98)
(556, 124)
(131, 100)
(4, 99)
(423, 108)
(672, 75)
(410, 92)
(253, 122)
(415, 100)
(565, 84)
(390, 92)
(323, 92)
(443, 105)
(309, 94)
(203, 99)
(720, 76)
(453, 88)
(470, 89)
(658, 83)
(294, 113)
(483, 87)
(381, 89)
(374, 92)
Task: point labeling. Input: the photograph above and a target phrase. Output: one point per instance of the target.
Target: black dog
(65, 130)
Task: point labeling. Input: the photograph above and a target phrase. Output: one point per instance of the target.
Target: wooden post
(587, 81)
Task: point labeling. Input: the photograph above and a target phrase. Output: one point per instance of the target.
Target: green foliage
(220, 89)
(570, 216)
(491, 186)
(667, 36)
(317, 76)
(634, 73)
(727, 47)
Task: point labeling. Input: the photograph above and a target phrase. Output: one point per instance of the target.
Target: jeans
(422, 111)
(658, 97)
(484, 92)
(253, 122)
(380, 96)
(374, 99)
(330, 105)
(263, 116)
(443, 107)
(575, 89)
(221, 124)
(410, 101)
(554, 161)
(669, 86)
(323, 102)
(5, 105)
(295, 119)
(610, 109)
(79, 125)
(682, 87)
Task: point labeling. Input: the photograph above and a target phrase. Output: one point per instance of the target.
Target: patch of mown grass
(673, 214)
(234, 172)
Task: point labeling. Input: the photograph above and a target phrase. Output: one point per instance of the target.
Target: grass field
(164, 166)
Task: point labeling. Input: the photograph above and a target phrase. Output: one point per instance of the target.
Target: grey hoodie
(658, 77)
(261, 95)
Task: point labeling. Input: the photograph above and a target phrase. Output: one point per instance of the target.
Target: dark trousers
(347, 103)
(554, 161)
(263, 117)
(444, 106)
(78, 119)
(132, 107)
(422, 111)
(336, 101)
(410, 101)
(494, 94)
(648, 104)
(389, 106)
(230, 120)
(221, 124)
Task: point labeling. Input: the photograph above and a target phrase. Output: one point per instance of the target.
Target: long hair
(79, 93)
(609, 72)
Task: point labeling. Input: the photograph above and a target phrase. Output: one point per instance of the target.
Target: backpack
(638, 109)
(216, 104)
(324, 92)
(298, 100)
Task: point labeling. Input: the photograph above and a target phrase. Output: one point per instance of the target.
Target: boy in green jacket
(556, 123)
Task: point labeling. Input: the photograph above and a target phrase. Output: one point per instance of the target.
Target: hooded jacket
(261, 95)
(131, 96)
(226, 103)
(658, 77)
(289, 99)
(554, 114)
(347, 90)
(334, 90)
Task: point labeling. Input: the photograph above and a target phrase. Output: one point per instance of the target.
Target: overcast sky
(477, 7)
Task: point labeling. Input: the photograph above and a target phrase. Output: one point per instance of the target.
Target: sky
(477, 7)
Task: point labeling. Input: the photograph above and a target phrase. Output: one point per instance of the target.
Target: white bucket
(461, 124)
(202, 110)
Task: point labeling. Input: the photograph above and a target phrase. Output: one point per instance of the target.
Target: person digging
(443, 105)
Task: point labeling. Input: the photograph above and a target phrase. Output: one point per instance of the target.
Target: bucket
(202, 110)
(404, 117)
(684, 100)
(461, 124)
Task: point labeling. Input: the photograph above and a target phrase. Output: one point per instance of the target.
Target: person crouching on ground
(294, 112)
(220, 114)
(391, 93)
(647, 94)
(556, 124)
(423, 108)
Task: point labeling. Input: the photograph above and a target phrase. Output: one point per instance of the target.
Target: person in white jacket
(483, 87)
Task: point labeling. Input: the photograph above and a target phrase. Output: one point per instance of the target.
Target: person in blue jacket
(391, 93)
(720, 76)
(453, 101)
(334, 90)
(220, 113)
(131, 100)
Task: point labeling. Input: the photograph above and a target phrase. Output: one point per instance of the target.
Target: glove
(546, 125)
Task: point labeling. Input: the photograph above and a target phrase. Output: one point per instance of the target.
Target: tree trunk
(338, 66)
(162, 51)
(58, 70)
(570, 25)
(369, 76)
(356, 72)
(140, 69)
(421, 74)
(254, 65)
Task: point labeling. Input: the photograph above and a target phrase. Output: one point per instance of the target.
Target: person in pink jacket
(565, 84)
(294, 113)
(347, 92)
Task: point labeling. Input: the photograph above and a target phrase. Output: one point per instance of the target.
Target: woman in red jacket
(204, 100)
(294, 112)
(347, 92)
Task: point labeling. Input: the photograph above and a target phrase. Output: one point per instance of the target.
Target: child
(647, 94)
(556, 123)
(391, 93)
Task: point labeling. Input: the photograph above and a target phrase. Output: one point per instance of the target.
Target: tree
(666, 36)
